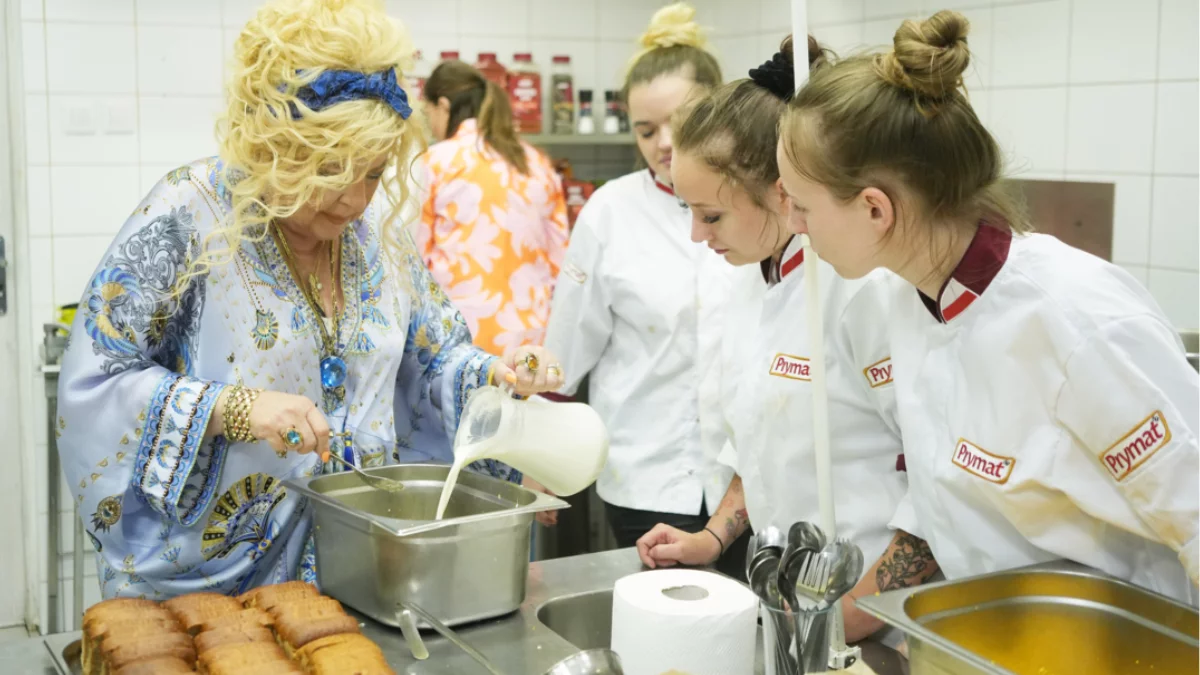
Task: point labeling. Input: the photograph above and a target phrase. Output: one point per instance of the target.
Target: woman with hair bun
(260, 310)
(1047, 408)
(724, 168)
(637, 307)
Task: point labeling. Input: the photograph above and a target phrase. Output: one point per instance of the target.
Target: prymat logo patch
(979, 462)
(1139, 445)
(791, 367)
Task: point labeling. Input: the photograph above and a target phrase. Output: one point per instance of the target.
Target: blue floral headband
(337, 86)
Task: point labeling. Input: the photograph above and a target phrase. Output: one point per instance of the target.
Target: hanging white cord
(840, 655)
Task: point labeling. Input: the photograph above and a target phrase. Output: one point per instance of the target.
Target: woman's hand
(547, 518)
(529, 370)
(274, 414)
(666, 546)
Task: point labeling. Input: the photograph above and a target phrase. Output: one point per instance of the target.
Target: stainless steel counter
(571, 595)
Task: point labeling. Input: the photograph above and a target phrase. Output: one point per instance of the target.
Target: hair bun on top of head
(928, 57)
(673, 26)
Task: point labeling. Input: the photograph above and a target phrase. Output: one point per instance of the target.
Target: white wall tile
(1113, 41)
(494, 19)
(41, 272)
(420, 16)
(980, 40)
(1139, 272)
(1178, 48)
(874, 9)
(844, 39)
(33, 55)
(1176, 140)
(90, 11)
(879, 34)
(229, 37)
(504, 47)
(1179, 295)
(967, 7)
(1175, 228)
(178, 12)
(235, 13)
(738, 55)
(91, 200)
(775, 16)
(726, 19)
(625, 20)
(1111, 128)
(84, 58)
(177, 129)
(981, 102)
(556, 20)
(828, 12)
(1031, 41)
(583, 63)
(37, 129)
(612, 59)
(1028, 124)
(1131, 216)
(75, 259)
(39, 200)
(164, 68)
(94, 148)
(31, 10)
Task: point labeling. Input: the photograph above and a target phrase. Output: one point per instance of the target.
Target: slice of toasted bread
(295, 634)
(163, 665)
(247, 617)
(255, 596)
(232, 635)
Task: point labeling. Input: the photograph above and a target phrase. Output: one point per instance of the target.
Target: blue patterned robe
(170, 512)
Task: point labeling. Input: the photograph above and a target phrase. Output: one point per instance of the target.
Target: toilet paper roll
(684, 621)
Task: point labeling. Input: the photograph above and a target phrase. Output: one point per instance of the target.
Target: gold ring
(292, 438)
(531, 362)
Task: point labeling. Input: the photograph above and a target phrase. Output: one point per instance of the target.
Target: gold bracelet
(237, 414)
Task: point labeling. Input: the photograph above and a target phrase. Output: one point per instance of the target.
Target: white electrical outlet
(81, 120)
(121, 119)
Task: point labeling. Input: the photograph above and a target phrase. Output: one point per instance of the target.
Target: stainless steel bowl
(1051, 618)
(376, 549)
(590, 662)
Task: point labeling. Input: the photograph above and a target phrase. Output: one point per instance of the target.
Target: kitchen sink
(584, 620)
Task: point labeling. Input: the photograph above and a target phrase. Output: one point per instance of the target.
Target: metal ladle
(377, 482)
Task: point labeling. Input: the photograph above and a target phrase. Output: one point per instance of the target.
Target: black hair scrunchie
(776, 76)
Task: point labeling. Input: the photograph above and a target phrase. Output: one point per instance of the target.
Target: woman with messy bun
(724, 168)
(1045, 402)
(637, 306)
(260, 310)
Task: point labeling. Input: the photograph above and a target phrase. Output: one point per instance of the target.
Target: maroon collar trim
(792, 258)
(661, 185)
(984, 259)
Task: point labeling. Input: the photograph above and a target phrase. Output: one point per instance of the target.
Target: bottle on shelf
(492, 69)
(612, 114)
(562, 84)
(449, 55)
(586, 125)
(525, 94)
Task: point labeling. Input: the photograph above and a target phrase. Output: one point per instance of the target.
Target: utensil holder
(795, 642)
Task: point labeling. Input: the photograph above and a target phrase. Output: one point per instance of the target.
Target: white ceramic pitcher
(563, 446)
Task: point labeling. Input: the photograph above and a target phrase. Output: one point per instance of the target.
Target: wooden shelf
(546, 140)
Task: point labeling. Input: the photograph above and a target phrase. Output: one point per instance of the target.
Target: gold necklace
(329, 326)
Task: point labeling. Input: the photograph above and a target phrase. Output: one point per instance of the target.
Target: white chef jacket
(767, 400)
(1048, 412)
(637, 305)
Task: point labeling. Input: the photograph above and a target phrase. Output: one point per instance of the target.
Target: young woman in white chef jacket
(637, 305)
(1046, 405)
(725, 169)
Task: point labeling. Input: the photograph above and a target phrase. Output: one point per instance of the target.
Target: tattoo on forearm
(735, 524)
(910, 563)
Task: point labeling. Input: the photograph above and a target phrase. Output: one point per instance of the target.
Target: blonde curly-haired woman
(262, 307)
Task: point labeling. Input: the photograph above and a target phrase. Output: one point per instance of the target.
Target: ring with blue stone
(292, 438)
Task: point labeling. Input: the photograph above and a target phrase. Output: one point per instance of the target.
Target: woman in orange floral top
(493, 225)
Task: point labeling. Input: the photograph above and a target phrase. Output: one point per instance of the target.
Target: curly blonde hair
(274, 162)
(673, 43)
